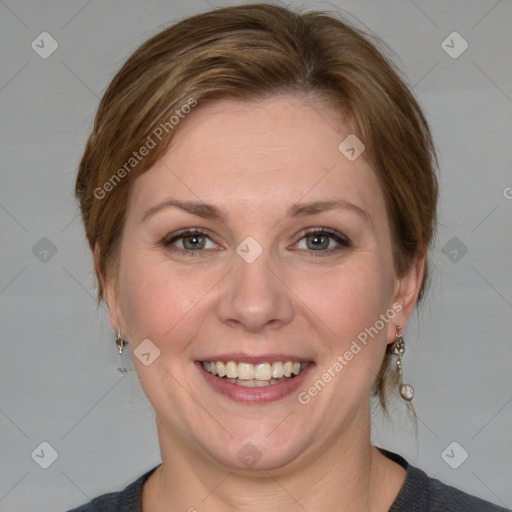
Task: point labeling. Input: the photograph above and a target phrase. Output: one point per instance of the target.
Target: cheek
(349, 304)
(157, 298)
(167, 302)
(350, 299)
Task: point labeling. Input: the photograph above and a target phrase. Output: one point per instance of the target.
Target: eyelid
(341, 239)
(182, 232)
(323, 230)
(168, 240)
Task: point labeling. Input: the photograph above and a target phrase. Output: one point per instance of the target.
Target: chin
(257, 451)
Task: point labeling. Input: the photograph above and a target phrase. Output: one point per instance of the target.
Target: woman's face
(292, 264)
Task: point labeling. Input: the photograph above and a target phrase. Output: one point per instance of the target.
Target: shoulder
(423, 493)
(450, 498)
(127, 500)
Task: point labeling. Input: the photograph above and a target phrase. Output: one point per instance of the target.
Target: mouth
(255, 375)
(250, 379)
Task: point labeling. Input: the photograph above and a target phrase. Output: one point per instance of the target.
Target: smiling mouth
(255, 375)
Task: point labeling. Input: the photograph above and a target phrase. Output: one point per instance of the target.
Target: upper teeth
(248, 371)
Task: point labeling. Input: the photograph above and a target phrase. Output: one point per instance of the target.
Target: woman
(259, 195)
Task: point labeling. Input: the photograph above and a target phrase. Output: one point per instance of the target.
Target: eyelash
(343, 241)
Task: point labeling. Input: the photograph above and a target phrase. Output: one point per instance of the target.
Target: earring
(120, 342)
(398, 349)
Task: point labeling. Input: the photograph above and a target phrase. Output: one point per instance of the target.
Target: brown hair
(251, 52)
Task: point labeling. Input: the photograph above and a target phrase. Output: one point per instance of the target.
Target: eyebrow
(302, 209)
(209, 211)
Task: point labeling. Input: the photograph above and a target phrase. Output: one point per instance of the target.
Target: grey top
(419, 493)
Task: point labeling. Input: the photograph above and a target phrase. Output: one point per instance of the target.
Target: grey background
(58, 376)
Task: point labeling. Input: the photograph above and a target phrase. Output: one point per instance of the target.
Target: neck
(348, 474)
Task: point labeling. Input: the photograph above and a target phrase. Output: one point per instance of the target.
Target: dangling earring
(398, 349)
(120, 342)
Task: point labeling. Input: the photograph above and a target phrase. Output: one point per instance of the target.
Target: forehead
(261, 154)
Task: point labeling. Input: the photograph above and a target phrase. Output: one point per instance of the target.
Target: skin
(254, 161)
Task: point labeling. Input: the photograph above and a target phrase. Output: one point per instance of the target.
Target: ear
(110, 291)
(407, 289)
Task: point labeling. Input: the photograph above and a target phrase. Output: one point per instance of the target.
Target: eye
(324, 241)
(189, 241)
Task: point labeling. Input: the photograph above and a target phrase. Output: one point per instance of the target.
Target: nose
(255, 296)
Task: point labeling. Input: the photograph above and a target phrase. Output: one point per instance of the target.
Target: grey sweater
(419, 493)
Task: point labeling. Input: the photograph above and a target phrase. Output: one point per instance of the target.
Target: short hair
(252, 52)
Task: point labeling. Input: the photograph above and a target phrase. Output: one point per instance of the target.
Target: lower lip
(261, 395)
